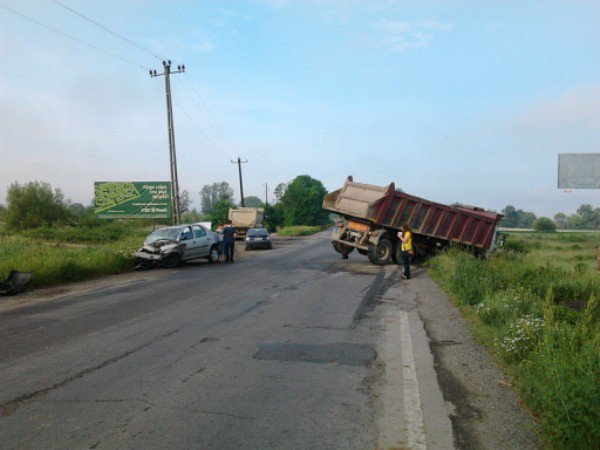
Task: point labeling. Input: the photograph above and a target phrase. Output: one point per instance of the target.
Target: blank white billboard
(579, 170)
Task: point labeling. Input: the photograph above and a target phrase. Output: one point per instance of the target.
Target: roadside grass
(537, 310)
(302, 230)
(65, 254)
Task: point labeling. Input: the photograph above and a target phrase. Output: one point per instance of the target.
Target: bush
(34, 205)
(220, 211)
(302, 202)
(544, 225)
(274, 217)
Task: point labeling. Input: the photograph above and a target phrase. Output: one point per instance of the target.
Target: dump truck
(372, 216)
(243, 219)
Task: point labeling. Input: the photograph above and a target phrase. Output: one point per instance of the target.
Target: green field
(566, 250)
(62, 254)
(535, 305)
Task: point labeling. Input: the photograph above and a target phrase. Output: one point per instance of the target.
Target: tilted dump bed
(354, 199)
(469, 226)
(388, 208)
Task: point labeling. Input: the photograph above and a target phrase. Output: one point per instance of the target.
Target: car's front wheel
(213, 255)
(170, 261)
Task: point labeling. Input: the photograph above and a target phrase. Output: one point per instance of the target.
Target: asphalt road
(289, 348)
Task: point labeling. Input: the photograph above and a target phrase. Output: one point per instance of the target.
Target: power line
(198, 108)
(114, 33)
(213, 121)
(208, 114)
(204, 109)
(62, 33)
(189, 116)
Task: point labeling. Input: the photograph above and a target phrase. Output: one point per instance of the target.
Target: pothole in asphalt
(340, 353)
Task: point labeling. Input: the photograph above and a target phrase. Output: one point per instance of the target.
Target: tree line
(585, 218)
(298, 202)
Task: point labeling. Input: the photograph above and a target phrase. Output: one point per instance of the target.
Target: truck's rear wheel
(380, 254)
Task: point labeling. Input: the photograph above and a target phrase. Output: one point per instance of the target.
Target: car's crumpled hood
(161, 245)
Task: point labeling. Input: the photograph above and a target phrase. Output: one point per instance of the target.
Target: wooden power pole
(172, 155)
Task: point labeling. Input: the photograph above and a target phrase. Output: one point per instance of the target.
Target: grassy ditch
(536, 306)
(302, 230)
(65, 254)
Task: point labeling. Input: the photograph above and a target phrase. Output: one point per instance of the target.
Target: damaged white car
(169, 246)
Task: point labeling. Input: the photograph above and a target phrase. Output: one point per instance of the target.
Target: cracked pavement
(289, 348)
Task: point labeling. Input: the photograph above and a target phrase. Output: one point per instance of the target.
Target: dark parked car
(258, 238)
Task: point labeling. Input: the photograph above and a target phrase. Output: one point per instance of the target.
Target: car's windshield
(163, 233)
(257, 232)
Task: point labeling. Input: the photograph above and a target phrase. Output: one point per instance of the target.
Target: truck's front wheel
(380, 254)
(343, 249)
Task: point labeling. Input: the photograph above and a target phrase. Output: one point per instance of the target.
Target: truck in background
(373, 215)
(243, 219)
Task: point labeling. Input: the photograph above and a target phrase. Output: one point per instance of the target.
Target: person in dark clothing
(228, 241)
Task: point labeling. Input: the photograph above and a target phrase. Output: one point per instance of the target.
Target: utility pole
(239, 162)
(172, 155)
(266, 193)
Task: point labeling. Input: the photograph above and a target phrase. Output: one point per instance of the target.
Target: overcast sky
(455, 101)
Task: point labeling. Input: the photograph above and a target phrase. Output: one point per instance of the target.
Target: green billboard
(133, 199)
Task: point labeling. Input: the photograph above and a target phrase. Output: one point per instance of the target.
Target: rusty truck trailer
(373, 216)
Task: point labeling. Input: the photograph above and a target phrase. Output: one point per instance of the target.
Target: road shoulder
(487, 412)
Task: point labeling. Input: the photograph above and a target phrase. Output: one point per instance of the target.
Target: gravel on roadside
(486, 411)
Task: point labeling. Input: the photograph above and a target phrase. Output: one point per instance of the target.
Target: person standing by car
(219, 231)
(405, 237)
(228, 241)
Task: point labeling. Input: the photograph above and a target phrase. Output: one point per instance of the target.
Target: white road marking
(413, 414)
